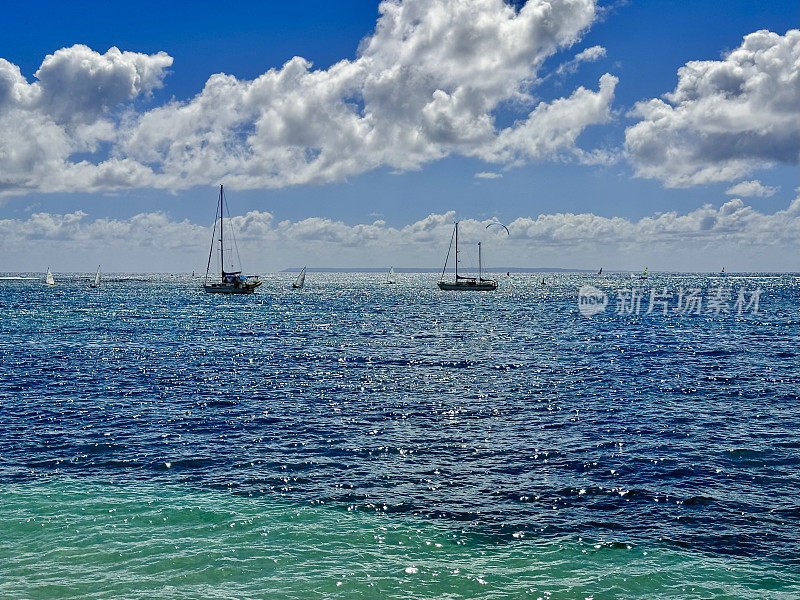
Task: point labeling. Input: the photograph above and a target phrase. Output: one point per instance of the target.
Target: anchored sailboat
(301, 280)
(48, 278)
(96, 282)
(390, 276)
(478, 284)
(231, 282)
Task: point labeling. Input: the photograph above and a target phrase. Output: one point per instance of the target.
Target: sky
(620, 134)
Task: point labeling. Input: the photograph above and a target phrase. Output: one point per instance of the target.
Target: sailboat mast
(480, 275)
(456, 265)
(221, 243)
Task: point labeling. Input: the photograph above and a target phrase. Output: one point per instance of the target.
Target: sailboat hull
(468, 286)
(227, 288)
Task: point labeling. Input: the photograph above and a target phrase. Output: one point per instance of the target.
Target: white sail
(390, 276)
(48, 279)
(97, 277)
(301, 279)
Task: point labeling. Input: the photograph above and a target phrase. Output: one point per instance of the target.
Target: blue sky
(644, 44)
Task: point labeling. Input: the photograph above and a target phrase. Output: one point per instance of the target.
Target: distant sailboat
(96, 282)
(723, 271)
(390, 276)
(462, 283)
(600, 272)
(644, 274)
(301, 280)
(48, 278)
(231, 282)
(543, 283)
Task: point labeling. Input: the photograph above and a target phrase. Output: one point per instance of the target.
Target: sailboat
(301, 280)
(723, 271)
(600, 272)
(48, 278)
(644, 274)
(462, 283)
(390, 276)
(96, 282)
(231, 282)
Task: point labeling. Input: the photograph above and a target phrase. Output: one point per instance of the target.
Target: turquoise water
(356, 440)
(68, 539)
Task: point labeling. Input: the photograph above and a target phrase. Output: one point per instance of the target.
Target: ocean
(361, 440)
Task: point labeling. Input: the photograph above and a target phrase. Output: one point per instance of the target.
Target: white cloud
(751, 188)
(591, 54)
(79, 84)
(725, 118)
(488, 175)
(550, 131)
(732, 223)
(67, 111)
(699, 239)
(424, 85)
(145, 229)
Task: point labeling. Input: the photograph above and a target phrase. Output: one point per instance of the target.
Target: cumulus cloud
(551, 238)
(733, 222)
(725, 118)
(488, 175)
(67, 111)
(145, 229)
(551, 130)
(751, 188)
(424, 85)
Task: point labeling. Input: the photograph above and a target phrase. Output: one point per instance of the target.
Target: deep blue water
(504, 416)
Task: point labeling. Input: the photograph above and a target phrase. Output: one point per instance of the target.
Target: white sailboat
(301, 280)
(462, 283)
(390, 276)
(48, 278)
(96, 282)
(231, 282)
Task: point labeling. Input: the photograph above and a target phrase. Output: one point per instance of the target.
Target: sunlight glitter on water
(499, 438)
